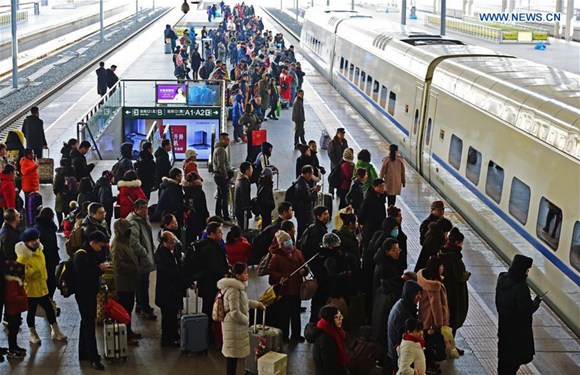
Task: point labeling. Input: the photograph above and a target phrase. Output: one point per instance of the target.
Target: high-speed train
(497, 136)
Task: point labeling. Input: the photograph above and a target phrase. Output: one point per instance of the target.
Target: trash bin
(36, 9)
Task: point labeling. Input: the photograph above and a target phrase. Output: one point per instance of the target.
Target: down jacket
(125, 262)
(35, 270)
(30, 177)
(236, 337)
(433, 307)
(129, 192)
(411, 358)
(142, 242)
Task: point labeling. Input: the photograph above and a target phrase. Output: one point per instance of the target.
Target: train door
(427, 138)
(414, 154)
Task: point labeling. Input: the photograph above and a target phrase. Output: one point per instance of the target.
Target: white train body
(496, 135)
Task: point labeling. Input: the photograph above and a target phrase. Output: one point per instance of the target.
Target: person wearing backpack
(65, 188)
(312, 237)
(242, 201)
(87, 271)
(303, 198)
(171, 198)
(145, 167)
(103, 192)
(237, 305)
(47, 233)
(125, 162)
(265, 197)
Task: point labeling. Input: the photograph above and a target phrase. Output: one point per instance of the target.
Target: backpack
(324, 140)
(260, 245)
(178, 72)
(335, 176)
(218, 313)
(191, 262)
(64, 274)
(71, 186)
(74, 242)
(118, 171)
(255, 206)
(284, 87)
(204, 71)
(291, 194)
(257, 171)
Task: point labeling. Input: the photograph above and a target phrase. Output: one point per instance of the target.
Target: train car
(497, 136)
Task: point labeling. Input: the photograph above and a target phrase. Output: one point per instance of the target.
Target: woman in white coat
(235, 326)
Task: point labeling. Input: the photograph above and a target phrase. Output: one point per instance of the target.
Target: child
(69, 221)
(411, 356)
(16, 303)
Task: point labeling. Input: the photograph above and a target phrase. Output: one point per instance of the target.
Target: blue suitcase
(194, 329)
(33, 201)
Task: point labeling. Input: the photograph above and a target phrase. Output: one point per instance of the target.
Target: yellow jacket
(35, 269)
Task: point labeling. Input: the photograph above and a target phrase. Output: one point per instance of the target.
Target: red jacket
(285, 93)
(190, 166)
(30, 177)
(238, 251)
(282, 266)
(16, 299)
(7, 191)
(129, 192)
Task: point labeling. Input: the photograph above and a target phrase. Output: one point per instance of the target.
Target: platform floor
(557, 348)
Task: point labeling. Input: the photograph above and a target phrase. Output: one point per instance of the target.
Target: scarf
(338, 335)
(408, 337)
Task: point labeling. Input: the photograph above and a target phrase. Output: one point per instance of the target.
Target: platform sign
(201, 112)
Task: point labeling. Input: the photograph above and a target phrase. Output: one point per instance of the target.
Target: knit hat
(30, 234)
(348, 154)
(330, 240)
(189, 154)
(282, 237)
(437, 205)
(267, 172)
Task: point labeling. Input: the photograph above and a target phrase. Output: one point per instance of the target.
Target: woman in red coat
(29, 170)
(16, 303)
(129, 191)
(237, 247)
(346, 169)
(7, 188)
(285, 80)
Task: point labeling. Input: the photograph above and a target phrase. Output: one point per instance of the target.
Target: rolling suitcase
(46, 169)
(168, 50)
(263, 339)
(33, 201)
(115, 341)
(279, 196)
(194, 329)
(324, 199)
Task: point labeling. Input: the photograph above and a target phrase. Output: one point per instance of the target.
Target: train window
(356, 75)
(384, 92)
(549, 223)
(519, 200)
(575, 247)
(351, 72)
(494, 181)
(341, 64)
(428, 135)
(392, 102)
(369, 85)
(455, 150)
(416, 121)
(363, 80)
(473, 165)
(376, 91)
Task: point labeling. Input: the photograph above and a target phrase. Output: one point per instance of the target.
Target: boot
(56, 334)
(34, 339)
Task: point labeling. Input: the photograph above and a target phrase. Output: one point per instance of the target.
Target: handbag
(308, 287)
(264, 265)
(435, 346)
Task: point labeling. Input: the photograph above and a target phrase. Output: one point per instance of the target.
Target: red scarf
(338, 335)
(406, 336)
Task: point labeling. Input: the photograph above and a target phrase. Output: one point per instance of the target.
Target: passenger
(393, 172)
(435, 238)
(372, 211)
(300, 74)
(30, 253)
(274, 99)
(222, 175)
(262, 241)
(79, 161)
(293, 83)
(7, 188)
(16, 302)
(169, 224)
(170, 288)
(168, 33)
(386, 267)
(65, 188)
(112, 78)
(125, 271)
(237, 112)
(349, 235)
(299, 118)
(256, 103)
(346, 169)
(304, 198)
(142, 245)
(364, 161)
(329, 352)
(264, 92)
(129, 192)
(14, 146)
(515, 308)
(29, 170)
(285, 81)
(312, 237)
(249, 121)
(401, 237)
(237, 247)
(412, 349)
(195, 63)
(318, 170)
(171, 198)
(103, 194)
(355, 195)
(197, 212)
(67, 148)
(86, 191)
(146, 168)
(125, 162)
(101, 79)
(405, 308)
(162, 161)
(47, 235)
(285, 260)
(305, 159)
(9, 234)
(189, 164)
(242, 205)
(3, 159)
(264, 158)
(265, 197)
(95, 222)
(437, 212)
(455, 280)
(33, 130)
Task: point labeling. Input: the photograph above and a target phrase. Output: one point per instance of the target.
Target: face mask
(287, 244)
(395, 233)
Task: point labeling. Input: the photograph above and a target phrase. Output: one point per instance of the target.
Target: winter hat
(282, 237)
(15, 269)
(30, 234)
(444, 224)
(330, 240)
(189, 154)
(520, 264)
(239, 97)
(303, 148)
(410, 289)
(437, 205)
(267, 172)
(348, 154)
(108, 175)
(389, 224)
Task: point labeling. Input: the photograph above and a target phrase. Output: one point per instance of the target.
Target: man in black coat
(515, 308)
(373, 210)
(162, 161)
(437, 212)
(33, 130)
(311, 239)
(79, 161)
(386, 267)
(9, 234)
(111, 76)
(87, 271)
(145, 167)
(355, 195)
(95, 222)
(171, 198)
(101, 79)
(336, 148)
(303, 199)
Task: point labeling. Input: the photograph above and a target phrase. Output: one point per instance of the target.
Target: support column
(443, 16)
(13, 8)
(557, 9)
(403, 12)
(101, 21)
(511, 5)
(569, 15)
(503, 5)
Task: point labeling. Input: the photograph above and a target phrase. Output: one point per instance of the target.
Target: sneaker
(15, 354)
(34, 339)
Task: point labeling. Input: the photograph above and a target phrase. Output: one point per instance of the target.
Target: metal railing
(21, 15)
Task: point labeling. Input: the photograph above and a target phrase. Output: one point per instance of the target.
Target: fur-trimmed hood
(432, 286)
(230, 283)
(169, 180)
(14, 278)
(129, 184)
(22, 250)
(196, 183)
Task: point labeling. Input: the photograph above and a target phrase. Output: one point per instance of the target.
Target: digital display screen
(203, 94)
(171, 94)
